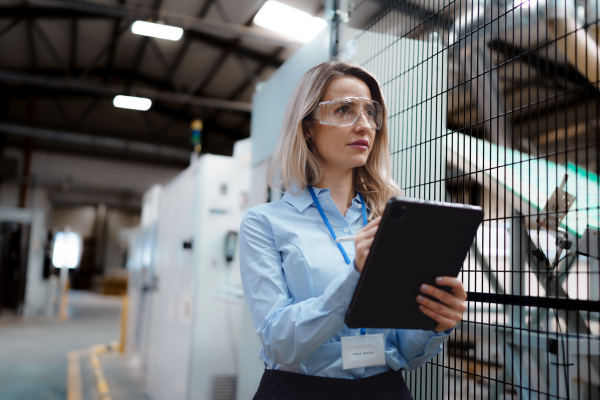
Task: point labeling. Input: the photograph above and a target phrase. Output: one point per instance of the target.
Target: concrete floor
(33, 351)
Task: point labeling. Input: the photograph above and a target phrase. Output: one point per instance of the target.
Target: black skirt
(280, 385)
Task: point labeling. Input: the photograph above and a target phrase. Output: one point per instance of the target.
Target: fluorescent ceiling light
(289, 21)
(160, 31)
(67, 249)
(132, 103)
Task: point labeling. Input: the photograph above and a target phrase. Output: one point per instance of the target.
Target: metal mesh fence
(496, 104)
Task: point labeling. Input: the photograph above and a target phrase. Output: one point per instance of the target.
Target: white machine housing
(192, 305)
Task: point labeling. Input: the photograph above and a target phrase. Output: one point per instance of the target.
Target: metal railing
(497, 104)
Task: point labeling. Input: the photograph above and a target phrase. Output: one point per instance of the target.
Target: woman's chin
(357, 163)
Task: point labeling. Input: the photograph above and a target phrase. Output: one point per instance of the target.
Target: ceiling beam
(139, 55)
(94, 145)
(11, 25)
(113, 73)
(51, 49)
(188, 23)
(31, 44)
(244, 85)
(209, 39)
(217, 64)
(113, 90)
(73, 43)
(139, 135)
(240, 50)
(14, 92)
(187, 41)
(209, 126)
(114, 39)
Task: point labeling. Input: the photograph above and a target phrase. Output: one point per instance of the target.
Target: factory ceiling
(63, 61)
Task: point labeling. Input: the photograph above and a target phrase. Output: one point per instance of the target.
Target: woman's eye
(371, 112)
(343, 110)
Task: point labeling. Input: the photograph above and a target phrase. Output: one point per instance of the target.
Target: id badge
(362, 351)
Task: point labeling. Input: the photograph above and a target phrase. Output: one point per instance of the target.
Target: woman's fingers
(374, 221)
(448, 312)
(444, 323)
(364, 245)
(370, 229)
(363, 242)
(371, 224)
(457, 287)
(451, 300)
(367, 233)
(451, 306)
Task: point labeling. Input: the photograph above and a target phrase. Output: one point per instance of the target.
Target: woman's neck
(340, 184)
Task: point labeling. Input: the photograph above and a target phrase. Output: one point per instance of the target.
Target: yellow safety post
(74, 390)
(64, 304)
(123, 324)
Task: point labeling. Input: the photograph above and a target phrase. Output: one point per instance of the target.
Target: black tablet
(416, 242)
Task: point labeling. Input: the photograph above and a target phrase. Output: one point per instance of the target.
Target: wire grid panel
(414, 88)
(496, 104)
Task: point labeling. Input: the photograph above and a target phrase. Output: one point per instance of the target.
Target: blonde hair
(297, 164)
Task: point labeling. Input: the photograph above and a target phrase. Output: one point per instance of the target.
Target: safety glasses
(347, 110)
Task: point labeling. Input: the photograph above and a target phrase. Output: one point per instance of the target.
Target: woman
(333, 157)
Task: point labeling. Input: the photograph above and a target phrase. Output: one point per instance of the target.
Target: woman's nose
(362, 121)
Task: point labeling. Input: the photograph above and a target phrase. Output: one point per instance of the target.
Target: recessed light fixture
(160, 31)
(67, 249)
(132, 103)
(289, 21)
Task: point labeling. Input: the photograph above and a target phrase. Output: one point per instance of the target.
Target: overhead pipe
(95, 141)
(113, 90)
(189, 23)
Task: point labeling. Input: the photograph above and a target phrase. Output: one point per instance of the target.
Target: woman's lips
(360, 144)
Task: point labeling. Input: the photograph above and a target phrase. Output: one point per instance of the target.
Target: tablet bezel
(473, 216)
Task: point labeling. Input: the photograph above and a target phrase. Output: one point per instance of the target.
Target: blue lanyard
(364, 217)
(363, 331)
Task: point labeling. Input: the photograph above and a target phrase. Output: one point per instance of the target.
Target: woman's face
(342, 147)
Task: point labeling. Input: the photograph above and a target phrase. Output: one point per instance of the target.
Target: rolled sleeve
(416, 347)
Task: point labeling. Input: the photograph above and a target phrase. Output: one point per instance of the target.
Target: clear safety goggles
(347, 110)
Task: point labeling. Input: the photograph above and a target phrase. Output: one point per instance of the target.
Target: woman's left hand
(451, 311)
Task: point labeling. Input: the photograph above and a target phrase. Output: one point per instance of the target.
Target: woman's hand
(451, 311)
(363, 242)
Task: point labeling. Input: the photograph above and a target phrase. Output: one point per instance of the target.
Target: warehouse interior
(128, 159)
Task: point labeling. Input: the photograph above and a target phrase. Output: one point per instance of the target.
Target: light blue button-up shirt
(298, 288)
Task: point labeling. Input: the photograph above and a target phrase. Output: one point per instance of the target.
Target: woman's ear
(306, 129)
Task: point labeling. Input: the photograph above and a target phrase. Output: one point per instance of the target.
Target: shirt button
(360, 206)
(345, 230)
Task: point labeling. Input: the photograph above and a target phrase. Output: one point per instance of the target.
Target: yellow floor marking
(94, 361)
(100, 349)
(74, 390)
(103, 387)
(123, 335)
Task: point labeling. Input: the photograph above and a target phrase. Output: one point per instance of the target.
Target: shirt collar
(302, 200)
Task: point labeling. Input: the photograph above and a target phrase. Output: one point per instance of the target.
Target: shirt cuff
(437, 338)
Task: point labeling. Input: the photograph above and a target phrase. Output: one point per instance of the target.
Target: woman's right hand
(363, 242)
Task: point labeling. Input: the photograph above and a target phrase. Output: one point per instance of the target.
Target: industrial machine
(186, 307)
(141, 263)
